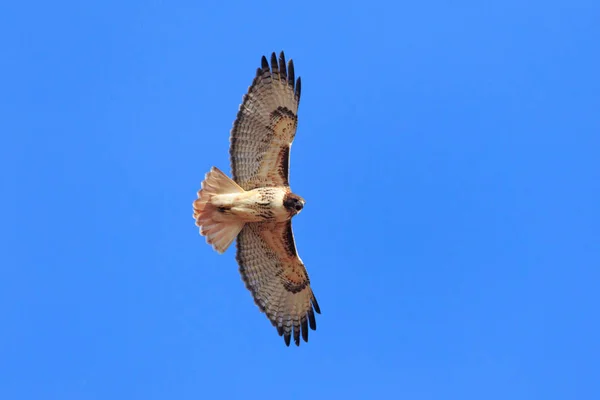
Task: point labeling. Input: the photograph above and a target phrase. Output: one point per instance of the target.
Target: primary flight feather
(257, 205)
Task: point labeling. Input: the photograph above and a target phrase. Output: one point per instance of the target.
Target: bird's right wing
(265, 126)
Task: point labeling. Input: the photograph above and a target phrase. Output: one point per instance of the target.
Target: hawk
(257, 205)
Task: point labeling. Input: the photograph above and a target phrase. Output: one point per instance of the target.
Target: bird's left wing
(273, 272)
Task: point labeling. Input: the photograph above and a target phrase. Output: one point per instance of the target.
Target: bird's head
(293, 203)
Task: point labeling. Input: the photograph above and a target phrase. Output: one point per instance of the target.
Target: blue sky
(448, 153)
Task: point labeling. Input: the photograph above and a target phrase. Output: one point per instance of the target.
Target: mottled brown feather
(265, 124)
(277, 278)
(261, 140)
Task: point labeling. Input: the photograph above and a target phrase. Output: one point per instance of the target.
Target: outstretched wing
(265, 126)
(273, 272)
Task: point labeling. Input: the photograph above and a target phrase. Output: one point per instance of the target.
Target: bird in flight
(257, 205)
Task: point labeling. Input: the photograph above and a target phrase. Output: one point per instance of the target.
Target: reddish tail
(220, 232)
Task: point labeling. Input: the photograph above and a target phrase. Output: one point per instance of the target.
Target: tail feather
(220, 232)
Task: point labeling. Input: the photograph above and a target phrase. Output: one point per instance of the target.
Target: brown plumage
(257, 206)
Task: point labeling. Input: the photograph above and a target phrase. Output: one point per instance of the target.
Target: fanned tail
(220, 231)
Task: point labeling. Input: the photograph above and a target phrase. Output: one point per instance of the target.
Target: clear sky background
(448, 152)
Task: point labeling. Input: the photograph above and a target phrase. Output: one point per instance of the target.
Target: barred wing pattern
(273, 272)
(261, 138)
(265, 126)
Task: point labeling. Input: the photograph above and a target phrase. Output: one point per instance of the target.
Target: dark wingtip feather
(296, 334)
(287, 338)
(280, 330)
(290, 70)
(274, 65)
(316, 305)
(311, 320)
(264, 64)
(304, 329)
(298, 89)
(282, 69)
